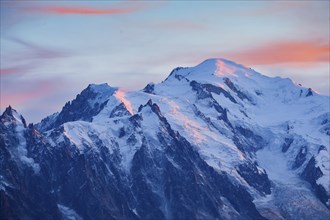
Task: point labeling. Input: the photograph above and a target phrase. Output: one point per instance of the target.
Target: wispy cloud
(64, 10)
(34, 51)
(15, 70)
(283, 52)
(9, 71)
(121, 8)
(30, 56)
(15, 95)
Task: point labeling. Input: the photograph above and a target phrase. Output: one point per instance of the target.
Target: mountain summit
(214, 141)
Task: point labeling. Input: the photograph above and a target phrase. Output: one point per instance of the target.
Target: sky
(52, 50)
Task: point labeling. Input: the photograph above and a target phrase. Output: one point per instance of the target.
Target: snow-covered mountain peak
(215, 67)
(84, 107)
(102, 88)
(222, 67)
(234, 78)
(14, 123)
(11, 116)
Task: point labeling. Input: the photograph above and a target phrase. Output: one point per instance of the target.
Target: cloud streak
(283, 52)
(9, 71)
(80, 10)
(34, 90)
(29, 57)
(87, 10)
(38, 52)
(18, 69)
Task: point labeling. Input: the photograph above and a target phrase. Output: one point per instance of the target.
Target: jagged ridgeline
(214, 141)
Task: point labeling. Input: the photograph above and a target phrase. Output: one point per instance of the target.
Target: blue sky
(51, 50)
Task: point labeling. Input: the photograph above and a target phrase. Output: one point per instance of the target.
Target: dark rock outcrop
(255, 178)
(311, 174)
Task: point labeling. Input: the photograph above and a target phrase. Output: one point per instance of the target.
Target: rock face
(23, 193)
(215, 141)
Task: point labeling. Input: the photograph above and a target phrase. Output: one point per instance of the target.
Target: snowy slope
(270, 107)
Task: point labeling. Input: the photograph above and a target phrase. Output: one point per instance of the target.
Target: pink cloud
(122, 8)
(9, 71)
(19, 69)
(64, 10)
(35, 90)
(283, 52)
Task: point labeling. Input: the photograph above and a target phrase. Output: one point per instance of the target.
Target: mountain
(214, 141)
